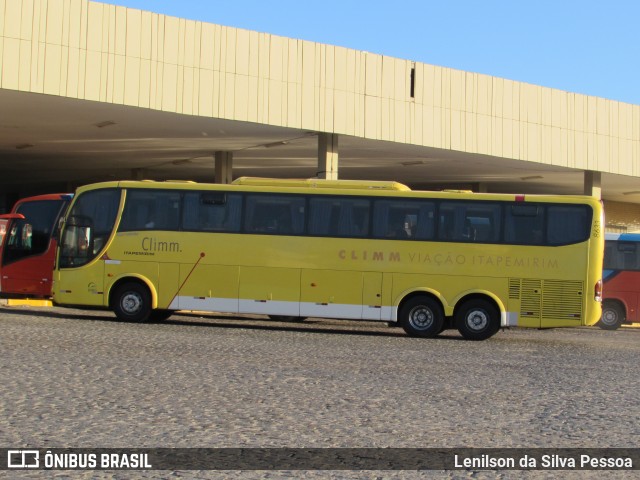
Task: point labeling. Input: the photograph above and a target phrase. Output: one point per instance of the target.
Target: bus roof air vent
(321, 183)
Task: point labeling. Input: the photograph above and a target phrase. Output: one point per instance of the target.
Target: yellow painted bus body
(353, 278)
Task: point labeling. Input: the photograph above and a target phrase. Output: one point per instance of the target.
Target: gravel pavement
(77, 378)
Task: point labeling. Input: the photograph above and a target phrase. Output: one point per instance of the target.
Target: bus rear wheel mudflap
(477, 319)
(613, 315)
(421, 316)
(131, 302)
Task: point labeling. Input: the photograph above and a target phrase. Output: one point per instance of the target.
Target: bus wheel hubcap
(131, 303)
(477, 319)
(421, 318)
(609, 317)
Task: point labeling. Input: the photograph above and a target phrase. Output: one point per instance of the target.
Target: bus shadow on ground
(72, 315)
(186, 319)
(308, 326)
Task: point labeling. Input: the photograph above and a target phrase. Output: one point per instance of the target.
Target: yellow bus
(362, 250)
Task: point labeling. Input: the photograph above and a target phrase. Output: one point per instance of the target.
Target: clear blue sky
(590, 47)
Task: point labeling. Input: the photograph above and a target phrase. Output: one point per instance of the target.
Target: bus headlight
(598, 291)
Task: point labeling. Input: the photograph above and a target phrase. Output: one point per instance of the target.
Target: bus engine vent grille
(548, 299)
(514, 289)
(531, 291)
(562, 300)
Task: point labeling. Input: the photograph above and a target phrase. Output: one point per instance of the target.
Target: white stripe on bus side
(273, 307)
(304, 309)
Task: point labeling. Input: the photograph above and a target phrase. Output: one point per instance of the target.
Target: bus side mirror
(84, 240)
(57, 229)
(77, 240)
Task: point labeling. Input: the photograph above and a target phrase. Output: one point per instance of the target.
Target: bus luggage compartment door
(270, 291)
(340, 294)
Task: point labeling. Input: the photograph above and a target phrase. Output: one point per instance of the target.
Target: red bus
(28, 245)
(621, 275)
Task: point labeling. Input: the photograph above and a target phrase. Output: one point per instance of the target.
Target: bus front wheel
(612, 316)
(132, 302)
(422, 317)
(477, 319)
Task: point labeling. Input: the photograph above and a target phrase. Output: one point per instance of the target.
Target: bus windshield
(28, 241)
(88, 226)
(30, 235)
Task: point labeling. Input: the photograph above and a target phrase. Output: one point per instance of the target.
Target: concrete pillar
(592, 183)
(224, 167)
(327, 156)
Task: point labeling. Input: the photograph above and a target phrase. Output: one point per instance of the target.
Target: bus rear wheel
(132, 302)
(477, 319)
(612, 316)
(421, 317)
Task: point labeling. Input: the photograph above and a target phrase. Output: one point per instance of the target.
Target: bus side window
(354, 221)
(524, 224)
(212, 212)
(627, 256)
(151, 210)
(168, 211)
(322, 216)
(275, 214)
(424, 228)
(137, 213)
(470, 222)
(610, 250)
(567, 224)
(339, 217)
(446, 224)
(403, 219)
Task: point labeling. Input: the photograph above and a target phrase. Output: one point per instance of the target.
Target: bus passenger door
(372, 296)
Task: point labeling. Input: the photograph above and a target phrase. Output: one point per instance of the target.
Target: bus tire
(612, 316)
(477, 319)
(421, 317)
(132, 302)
